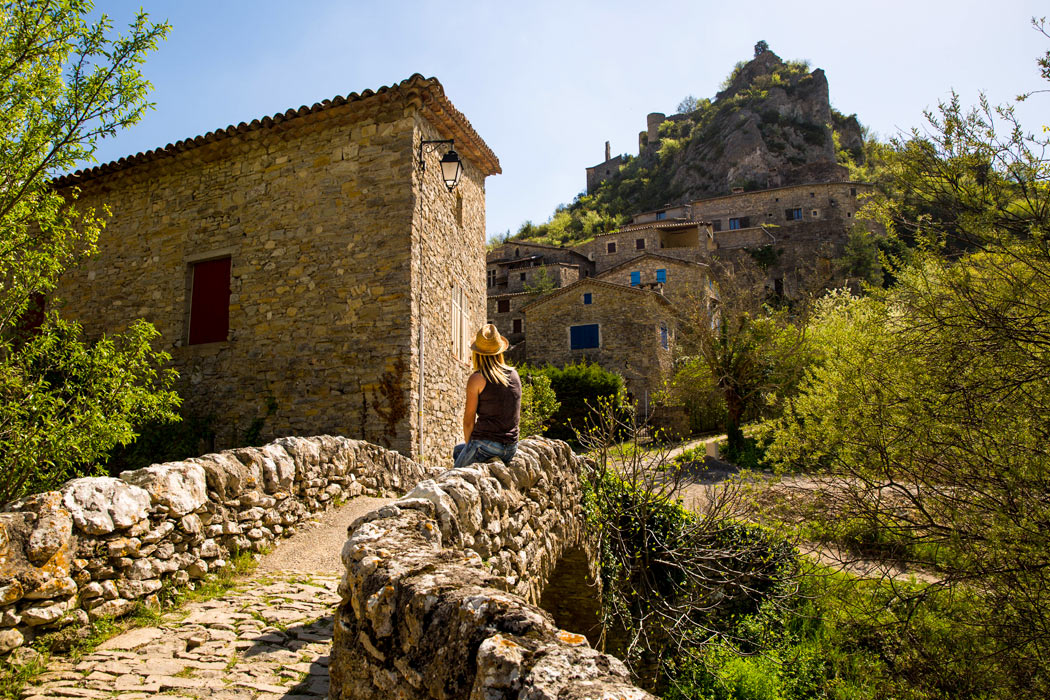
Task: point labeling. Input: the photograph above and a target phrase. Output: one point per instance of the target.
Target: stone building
(629, 330)
(306, 275)
(681, 281)
(794, 231)
(685, 238)
(513, 266)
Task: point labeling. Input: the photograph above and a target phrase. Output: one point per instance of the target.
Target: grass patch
(13, 678)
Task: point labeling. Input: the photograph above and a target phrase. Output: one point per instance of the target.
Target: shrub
(538, 401)
(578, 387)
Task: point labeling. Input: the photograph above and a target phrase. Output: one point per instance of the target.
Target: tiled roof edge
(593, 280)
(448, 120)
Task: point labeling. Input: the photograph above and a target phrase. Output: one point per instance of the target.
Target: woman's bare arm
(470, 410)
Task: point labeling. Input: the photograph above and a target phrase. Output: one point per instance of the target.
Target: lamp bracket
(429, 146)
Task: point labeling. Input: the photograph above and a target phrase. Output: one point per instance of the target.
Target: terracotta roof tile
(636, 258)
(663, 224)
(448, 120)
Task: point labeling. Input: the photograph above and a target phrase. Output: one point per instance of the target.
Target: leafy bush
(578, 387)
(538, 401)
(750, 455)
(164, 441)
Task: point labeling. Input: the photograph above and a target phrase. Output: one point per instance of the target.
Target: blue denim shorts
(483, 451)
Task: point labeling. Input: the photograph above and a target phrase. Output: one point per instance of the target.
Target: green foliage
(742, 355)
(860, 258)
(64, 403)
(14, 677)
(578, 387)
(751, 454)
(662, 569)
(542, 282)
(930, 394)
(164, 441)
(538, 401)
(765, 256)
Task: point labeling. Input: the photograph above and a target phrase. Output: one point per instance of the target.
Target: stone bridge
(476, 584)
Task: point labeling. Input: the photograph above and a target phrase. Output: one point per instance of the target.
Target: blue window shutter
(582, 337)
(636, 278)
(586, 297)
(661, 275)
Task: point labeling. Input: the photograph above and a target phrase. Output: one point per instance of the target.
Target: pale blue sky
(546, 83)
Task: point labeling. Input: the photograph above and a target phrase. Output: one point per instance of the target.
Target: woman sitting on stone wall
(493, 406)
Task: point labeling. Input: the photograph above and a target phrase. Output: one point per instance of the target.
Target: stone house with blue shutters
(629, 330)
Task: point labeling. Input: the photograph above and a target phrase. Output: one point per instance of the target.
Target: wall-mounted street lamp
(451, 165)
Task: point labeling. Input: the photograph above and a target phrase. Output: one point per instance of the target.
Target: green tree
(688, 105)
(741, 351)
(65, 83)
(930, 400)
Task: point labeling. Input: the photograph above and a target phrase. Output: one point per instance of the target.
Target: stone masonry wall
(99, 545)
(685, 280)
(315, 218)
(829, 200)
(626, 247)
(448, 231)
(504, 320)
(440, 591)
(340, 249)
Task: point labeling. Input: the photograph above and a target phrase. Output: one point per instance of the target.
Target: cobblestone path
(268, 638)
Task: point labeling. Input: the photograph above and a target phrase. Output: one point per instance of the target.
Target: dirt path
(317, 545)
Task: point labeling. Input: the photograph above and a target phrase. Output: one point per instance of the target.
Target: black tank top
(499, 409)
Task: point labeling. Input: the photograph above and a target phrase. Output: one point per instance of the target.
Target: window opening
(460, 342)
(583, 337)
(210, 302)
(587, 298)
(502, 306)
(639, 244)
(611, 247)
(517, 325)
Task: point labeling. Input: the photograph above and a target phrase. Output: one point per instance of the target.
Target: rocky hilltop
(771, 125)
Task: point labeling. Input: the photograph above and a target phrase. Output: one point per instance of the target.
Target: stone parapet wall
(440, 592)
(99, 545)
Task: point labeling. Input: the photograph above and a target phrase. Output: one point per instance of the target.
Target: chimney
(608, 152)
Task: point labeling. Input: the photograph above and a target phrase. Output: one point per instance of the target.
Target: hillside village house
(628, 330)
(794, 229)
(306, 275)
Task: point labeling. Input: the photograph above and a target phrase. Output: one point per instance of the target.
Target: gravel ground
(317, 545)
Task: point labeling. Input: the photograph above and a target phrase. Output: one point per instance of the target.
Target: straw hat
(489, 342)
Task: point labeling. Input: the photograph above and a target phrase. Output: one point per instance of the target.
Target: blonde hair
(492, 368)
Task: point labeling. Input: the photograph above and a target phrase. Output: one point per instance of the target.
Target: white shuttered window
(460, 341)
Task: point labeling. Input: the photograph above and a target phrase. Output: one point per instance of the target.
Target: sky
(547, 83)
